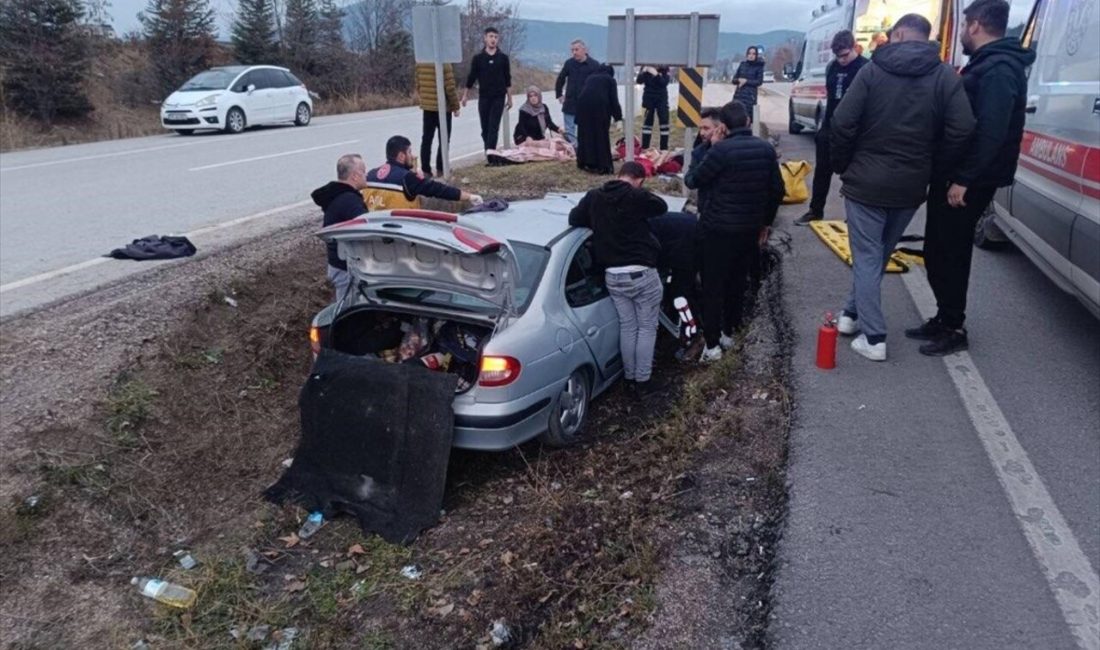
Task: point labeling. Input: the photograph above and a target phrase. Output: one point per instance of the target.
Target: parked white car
(233, 98)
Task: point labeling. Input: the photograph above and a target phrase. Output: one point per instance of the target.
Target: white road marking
(272, 155)
(49, 275)
(1069, 574)
(113, 154)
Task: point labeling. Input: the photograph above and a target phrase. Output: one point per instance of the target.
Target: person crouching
(618, 213)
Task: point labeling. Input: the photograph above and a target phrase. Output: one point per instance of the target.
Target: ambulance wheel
(793, 127)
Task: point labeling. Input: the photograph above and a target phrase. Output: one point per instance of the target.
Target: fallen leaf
(361, 568)
(185, 621)
(474, 598)
(290, 540)
(442, 610)
(346, 565)
(506, 557)
(326, 563)
(579, 645)
(485, 542)
(297, 585)
(546, 597)
(356, 549)
(271, 554)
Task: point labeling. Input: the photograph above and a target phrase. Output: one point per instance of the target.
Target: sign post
(693, 61)
(628, 95)
(437, 40)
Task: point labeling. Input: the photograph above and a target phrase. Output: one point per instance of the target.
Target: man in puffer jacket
(429, 105)
(904, 110)
(996, 84)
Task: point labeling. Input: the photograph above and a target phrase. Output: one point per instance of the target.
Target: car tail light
(315, 339)
(498, 371)
(478, 241)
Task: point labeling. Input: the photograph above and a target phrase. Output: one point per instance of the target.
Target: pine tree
(180, 34)
(254, 32)
(301, 36)
(44, 52)
(331, 25)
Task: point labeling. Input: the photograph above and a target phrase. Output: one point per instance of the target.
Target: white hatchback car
(233, 98)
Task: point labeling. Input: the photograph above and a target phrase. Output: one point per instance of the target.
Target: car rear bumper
(187, 118)
(501, 426)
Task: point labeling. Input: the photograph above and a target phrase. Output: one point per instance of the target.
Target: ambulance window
(1019, 13)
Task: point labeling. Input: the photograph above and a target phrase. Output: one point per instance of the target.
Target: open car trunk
(441, 344)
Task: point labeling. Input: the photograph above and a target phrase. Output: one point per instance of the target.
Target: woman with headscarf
(597, 106)
(534, 118)
(749, 76)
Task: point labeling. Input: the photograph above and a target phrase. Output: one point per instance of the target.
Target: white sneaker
(710, 355)
(726, 342)
(863, 347)
(847, 325)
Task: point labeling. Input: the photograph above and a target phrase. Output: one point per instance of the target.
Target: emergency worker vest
(386, 189)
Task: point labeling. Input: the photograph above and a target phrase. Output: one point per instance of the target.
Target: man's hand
(561, 99)
(740, 82)
(457, 111)
(462, 102)
(765, 232)
(475, 199)
(508, 100)
(956, 196)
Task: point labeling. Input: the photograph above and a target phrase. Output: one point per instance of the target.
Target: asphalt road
(940, 503)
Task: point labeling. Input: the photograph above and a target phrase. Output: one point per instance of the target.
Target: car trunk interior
(443, 345)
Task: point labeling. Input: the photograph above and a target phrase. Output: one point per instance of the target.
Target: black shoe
(949, 342)
(930, 330)
(805, 219)
(649, 387)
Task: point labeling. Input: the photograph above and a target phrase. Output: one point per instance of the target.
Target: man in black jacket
(740, 189)
(904, 109)
(654, 82)
(838, 78)
(618, 214)
(996, 85)
(341, 201)
(492, 72)
(574, 72)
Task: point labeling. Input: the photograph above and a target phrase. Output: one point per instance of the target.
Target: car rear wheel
(235, 121)
(792, 126)
(185, 131)
(302, 115)
(570, 411)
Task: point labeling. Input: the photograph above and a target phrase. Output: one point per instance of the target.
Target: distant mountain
(547, 42)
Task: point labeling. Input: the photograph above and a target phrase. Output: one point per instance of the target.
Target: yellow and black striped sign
(691, 96)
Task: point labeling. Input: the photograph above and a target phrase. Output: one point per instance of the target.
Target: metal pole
(628, 96)
(441, 97)
(693, 60)
(505, 123)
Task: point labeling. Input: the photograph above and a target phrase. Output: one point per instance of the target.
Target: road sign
(690, 102)
(663, 40)
(437, 38)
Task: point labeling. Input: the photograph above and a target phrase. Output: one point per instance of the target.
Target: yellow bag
(794, 180)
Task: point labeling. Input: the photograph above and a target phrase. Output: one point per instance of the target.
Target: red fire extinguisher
(826, 343)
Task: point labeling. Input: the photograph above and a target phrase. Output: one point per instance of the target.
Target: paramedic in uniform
(397, 184)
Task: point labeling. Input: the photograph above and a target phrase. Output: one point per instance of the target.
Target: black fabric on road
(155, 247)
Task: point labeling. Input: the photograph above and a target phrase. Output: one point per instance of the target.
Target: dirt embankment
(149, 417)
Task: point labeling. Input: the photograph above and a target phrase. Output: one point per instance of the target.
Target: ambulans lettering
(1050, 152)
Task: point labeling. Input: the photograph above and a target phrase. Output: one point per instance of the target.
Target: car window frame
(265, 79)
(242, 82)
(594, 279)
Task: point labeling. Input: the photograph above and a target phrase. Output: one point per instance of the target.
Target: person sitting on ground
(618, 213)
(341, 201)
(534, 118)
(597, 105)
(398, 184)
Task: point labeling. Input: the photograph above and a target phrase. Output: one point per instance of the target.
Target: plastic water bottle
(165, 592)
(312, 524)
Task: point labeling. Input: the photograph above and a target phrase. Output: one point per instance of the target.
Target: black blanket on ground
(375, 442)
(155, 247)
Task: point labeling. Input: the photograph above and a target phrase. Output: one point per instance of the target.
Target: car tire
(987, 236)
(570, 411)
(302, 114)
(235, 121)
(185, 131)
(793, 127)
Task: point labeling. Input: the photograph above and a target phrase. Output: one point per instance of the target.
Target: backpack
(794, 180)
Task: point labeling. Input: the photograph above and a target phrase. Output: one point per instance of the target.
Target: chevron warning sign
(691, 96)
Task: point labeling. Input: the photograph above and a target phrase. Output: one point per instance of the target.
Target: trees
(180, 35)
(254, 32)
(301, 30)
(44, 52)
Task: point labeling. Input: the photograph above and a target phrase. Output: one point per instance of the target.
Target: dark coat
(654, 88)
(676, 232)
(341, 202)
(576, 74)
(491, 72)
(996, 85)
(904, 110)
(838, 79)
(753, 74)
(528, 127)
(740, 187)
(618, 214)
(597, 106)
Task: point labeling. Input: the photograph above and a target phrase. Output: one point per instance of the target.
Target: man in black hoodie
(996, 84)
(341, 201)
(618, 214)
(904, 109)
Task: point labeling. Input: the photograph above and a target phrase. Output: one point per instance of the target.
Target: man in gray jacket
(904, 110)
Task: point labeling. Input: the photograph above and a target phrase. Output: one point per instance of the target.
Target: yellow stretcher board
(835, 235)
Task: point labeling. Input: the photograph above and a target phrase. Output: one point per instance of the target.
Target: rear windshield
(210, 80)
(531, 261)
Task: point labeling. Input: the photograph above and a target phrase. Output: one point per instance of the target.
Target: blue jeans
(570, 127)
(637, 298)
(873, 233)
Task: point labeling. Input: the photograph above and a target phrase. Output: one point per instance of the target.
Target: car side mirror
(250, 88)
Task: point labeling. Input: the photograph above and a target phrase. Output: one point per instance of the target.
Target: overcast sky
(752, 16)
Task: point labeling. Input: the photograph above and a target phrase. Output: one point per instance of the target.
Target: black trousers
(823, 173)
(726, 262)
(949, 248)
(661, 111)
(490, 110)
(431, 125)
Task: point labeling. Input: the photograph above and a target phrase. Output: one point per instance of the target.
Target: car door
(268, 94)
(284, 91)
(591, 310)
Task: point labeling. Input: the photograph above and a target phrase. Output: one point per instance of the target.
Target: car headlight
(209, 100)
